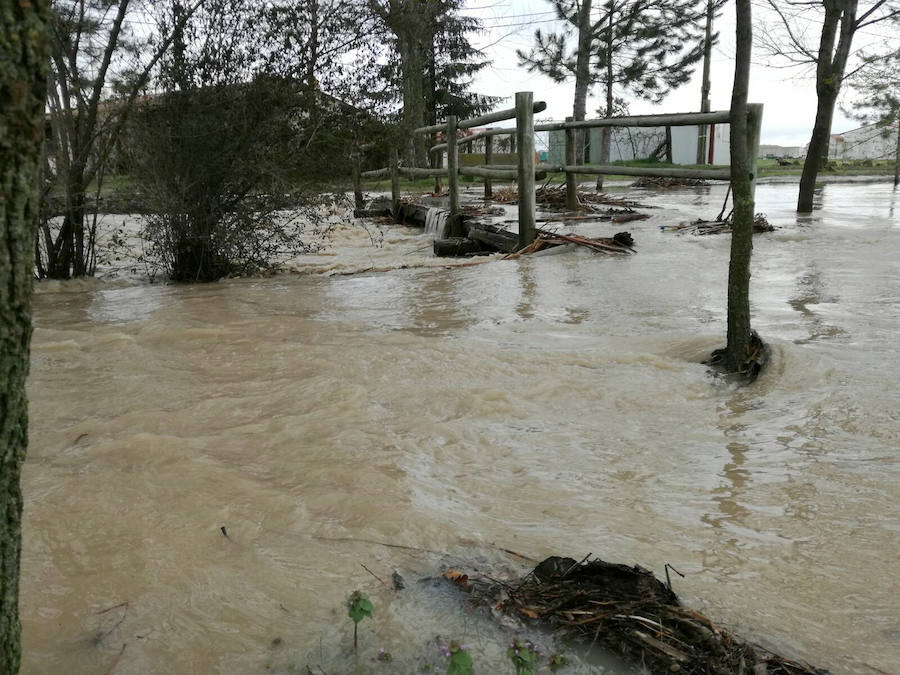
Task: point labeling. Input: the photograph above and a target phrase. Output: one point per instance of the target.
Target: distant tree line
(211, 104)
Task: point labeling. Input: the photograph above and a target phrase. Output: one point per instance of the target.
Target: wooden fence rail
(526, 170)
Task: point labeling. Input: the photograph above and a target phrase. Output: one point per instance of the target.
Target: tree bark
(839, 25)
(582, 76)
(738, 341)
(23, 70)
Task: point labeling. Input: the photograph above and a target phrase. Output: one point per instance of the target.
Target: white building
(868, 142)
(788, 151)
(629, 143)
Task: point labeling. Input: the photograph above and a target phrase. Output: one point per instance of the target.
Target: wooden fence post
(754, 126)
(571, 178)
(453, 176)
(488, 155)
(395, 183)
(437, 161)
(525, 141)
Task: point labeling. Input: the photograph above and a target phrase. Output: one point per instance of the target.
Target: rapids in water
(429, 416)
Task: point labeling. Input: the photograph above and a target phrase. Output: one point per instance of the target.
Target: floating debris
(630, 612)
(750, 368)
(660, 182)
(620, 244)
(555, 195)
(703, 227)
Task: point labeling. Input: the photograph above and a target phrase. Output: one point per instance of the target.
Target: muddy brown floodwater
(546, 405)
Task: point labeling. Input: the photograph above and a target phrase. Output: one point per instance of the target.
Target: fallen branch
(374, 575)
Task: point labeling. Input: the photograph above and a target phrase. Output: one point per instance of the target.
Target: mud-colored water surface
(426, 416)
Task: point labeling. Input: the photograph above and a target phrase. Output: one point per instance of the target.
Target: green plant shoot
(358, 608)
(460, 662)
(524, 656)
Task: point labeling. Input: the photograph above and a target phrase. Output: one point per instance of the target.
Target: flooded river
(423, 417)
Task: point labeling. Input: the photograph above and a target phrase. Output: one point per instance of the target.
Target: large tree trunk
(408, 20)
(742, 230)
(23, 64)
(582, 77)
(817, 153)
(839, 15)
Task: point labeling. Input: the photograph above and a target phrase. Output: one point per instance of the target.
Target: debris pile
(660, 182)
(555, 195)
(719, 226)
(630, 612)
(620, 244)
(750, 368)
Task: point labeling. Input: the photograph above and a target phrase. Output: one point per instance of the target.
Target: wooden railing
(527, 170)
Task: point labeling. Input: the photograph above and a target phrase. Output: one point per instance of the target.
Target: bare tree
(837, 23)
(23, 73)
(96, 76)
(738, 342)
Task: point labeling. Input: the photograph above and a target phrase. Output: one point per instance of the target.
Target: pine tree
(878, 84)
(437, 63)
(643, 48)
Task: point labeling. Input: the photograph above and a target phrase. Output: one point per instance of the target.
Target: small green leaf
(460, 661)
(359, 606)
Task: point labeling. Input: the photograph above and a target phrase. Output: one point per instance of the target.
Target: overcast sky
(788, 95)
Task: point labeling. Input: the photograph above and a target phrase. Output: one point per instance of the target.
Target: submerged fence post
(571, 178)
(395, 183)
(453, 176)
(754, 126)
(525, 141)
(488, 155)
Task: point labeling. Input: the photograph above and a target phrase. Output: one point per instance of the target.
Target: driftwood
(750, 368)
(493, 237)
(555, 195)
(455, 247)
(620, 244)
(719, 226)
(630, 612)
(667, 182)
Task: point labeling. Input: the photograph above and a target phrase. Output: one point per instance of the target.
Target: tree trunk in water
(818, 149)
(23, 70)
(738, 342)
(840, 19)
(582, 77)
